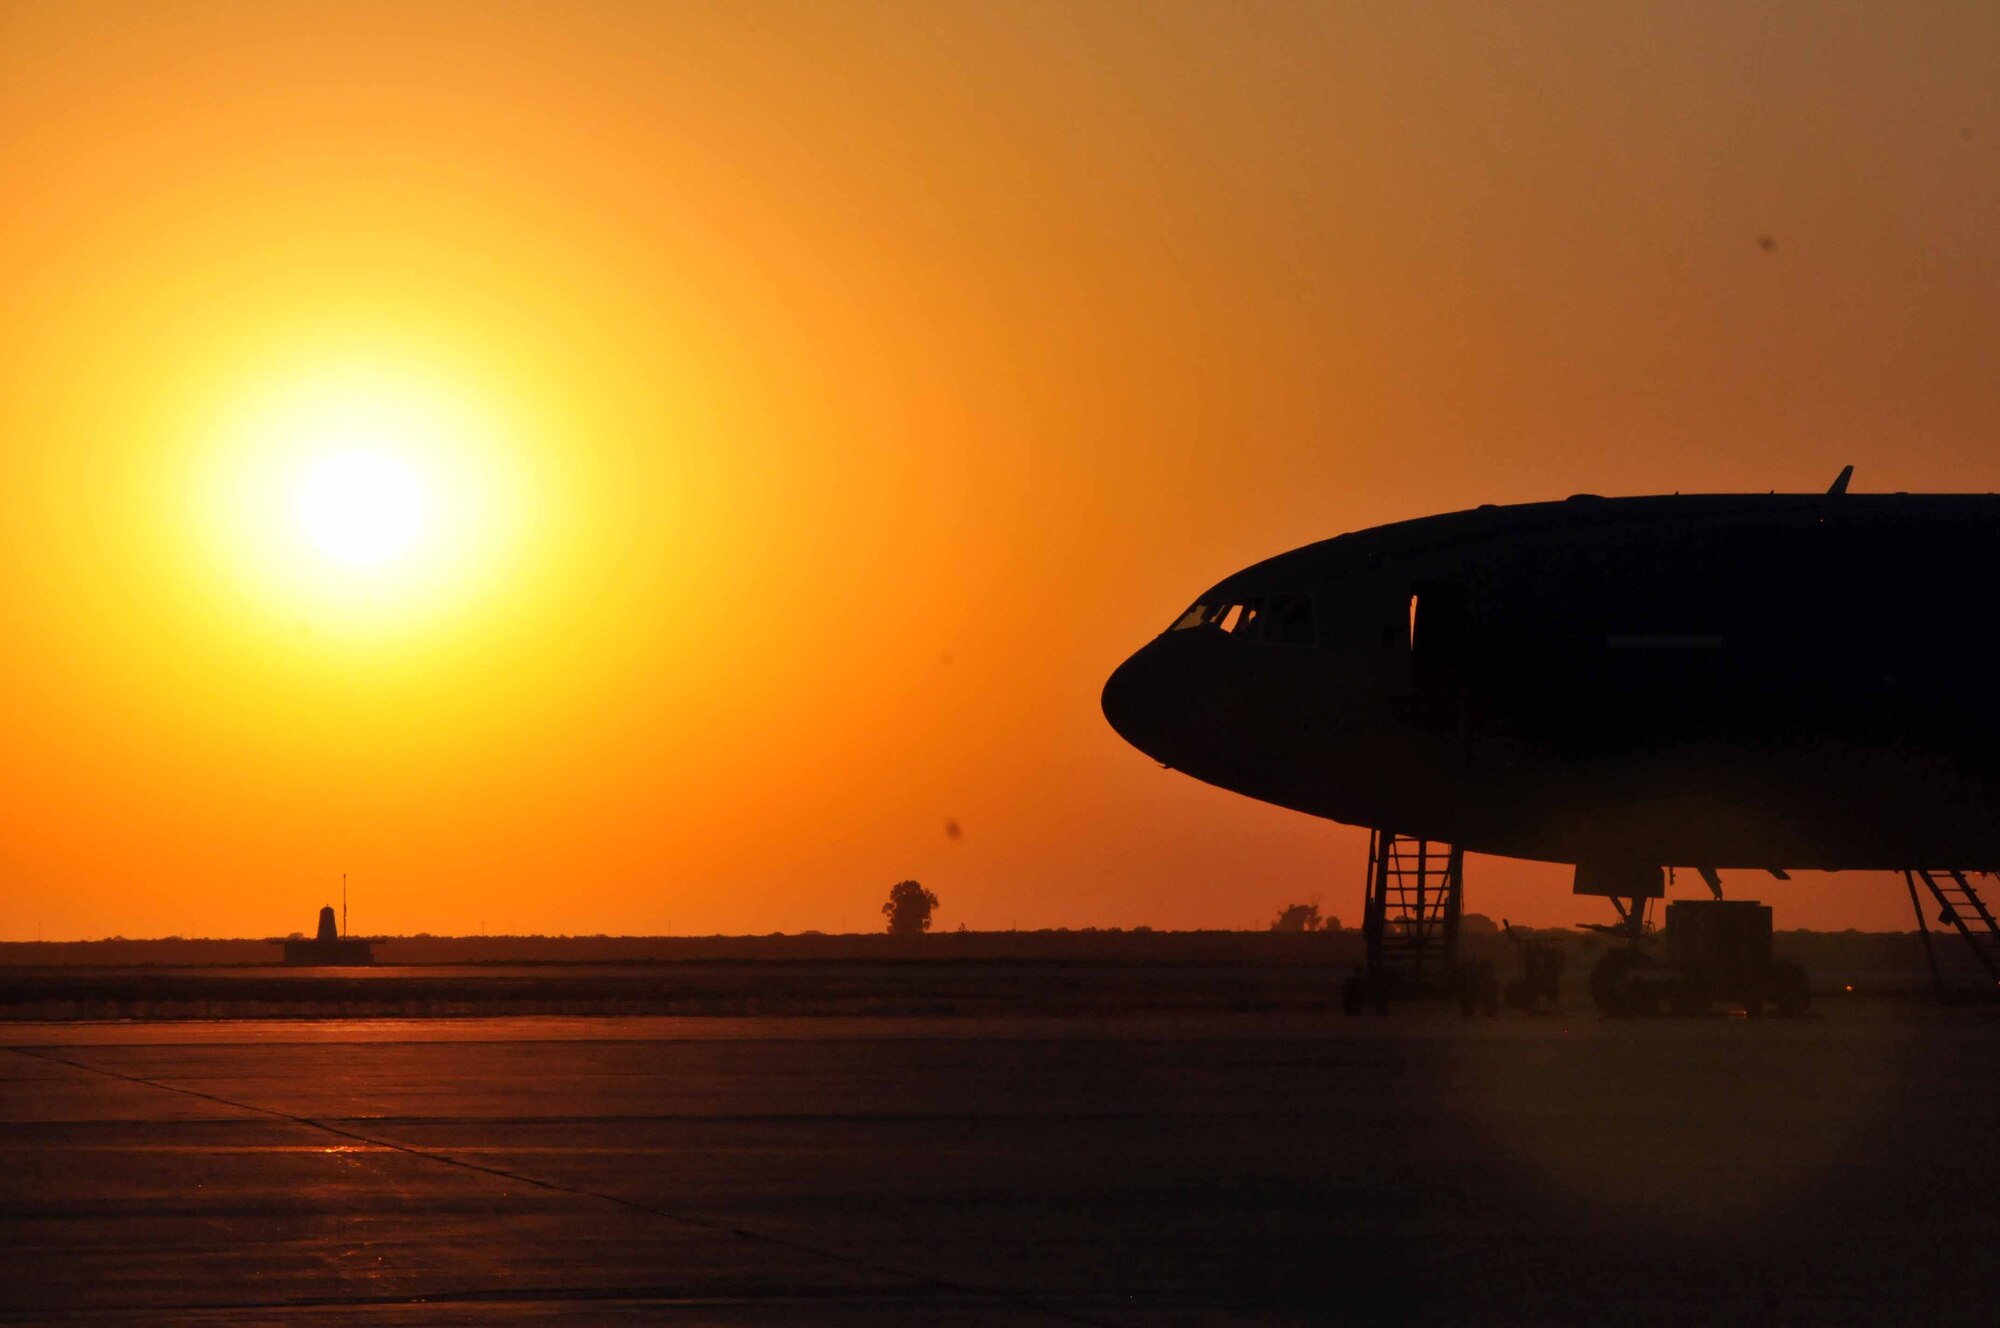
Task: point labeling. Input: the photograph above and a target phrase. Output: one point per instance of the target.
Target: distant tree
(909, 909)
(1298, 917)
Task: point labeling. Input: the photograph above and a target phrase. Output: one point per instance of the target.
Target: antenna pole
(343, 903)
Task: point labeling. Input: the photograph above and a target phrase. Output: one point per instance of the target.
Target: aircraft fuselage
(1721, 680)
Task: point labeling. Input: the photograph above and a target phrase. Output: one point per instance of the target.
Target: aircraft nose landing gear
(1617, 988)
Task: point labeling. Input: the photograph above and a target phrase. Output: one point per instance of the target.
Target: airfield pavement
(1276, 1168)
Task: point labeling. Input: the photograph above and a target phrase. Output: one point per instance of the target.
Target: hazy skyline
(814, 403)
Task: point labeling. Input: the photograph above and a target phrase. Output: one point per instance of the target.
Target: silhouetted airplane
(1763, 681)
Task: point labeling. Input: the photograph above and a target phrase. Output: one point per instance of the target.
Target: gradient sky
(818, 401)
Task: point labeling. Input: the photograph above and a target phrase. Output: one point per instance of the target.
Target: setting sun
(361, 489)
(362, 508)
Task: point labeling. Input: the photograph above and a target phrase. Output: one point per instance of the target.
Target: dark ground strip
(685, 1219)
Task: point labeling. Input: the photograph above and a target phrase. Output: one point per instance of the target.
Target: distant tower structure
(332, 945)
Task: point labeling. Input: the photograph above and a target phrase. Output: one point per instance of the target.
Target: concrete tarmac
(1256, 1169)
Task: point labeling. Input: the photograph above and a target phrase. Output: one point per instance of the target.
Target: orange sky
(817, 401)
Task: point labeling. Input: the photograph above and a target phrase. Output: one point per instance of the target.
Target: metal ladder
(1410, 919)
(1959, 906)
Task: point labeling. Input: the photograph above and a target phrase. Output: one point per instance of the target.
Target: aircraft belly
(1713, 805)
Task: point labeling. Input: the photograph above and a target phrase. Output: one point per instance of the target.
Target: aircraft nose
(1134, 701)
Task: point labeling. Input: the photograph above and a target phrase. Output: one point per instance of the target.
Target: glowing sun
(363, 497)
(362, 508)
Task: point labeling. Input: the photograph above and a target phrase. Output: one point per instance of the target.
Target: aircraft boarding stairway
(1410, 922)
(1959, 907)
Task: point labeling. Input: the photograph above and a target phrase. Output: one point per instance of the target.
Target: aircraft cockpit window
(1291, 621)
(1248, 620)
(1245, 620)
